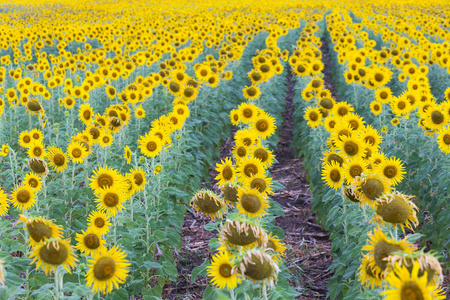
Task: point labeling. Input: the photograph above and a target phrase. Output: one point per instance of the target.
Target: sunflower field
(115, 114)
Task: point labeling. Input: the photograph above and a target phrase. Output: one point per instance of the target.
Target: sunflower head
(40, 229)
(208, 203)
(230, 193)
(39, 166)
(238, 233)
(368, 188)
(52, 253)
(223, 272)
(258, 265)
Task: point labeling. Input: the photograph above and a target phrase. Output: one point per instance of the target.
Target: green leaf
(152, 265)
(199, 270)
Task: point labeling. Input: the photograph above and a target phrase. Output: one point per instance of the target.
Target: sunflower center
(437, 117)
(265, 68)
(342, 111)
(26, 139)
(351, 148)
(225, 270)
(316, 83)
(105, 180)
(335, 175)
(258, 183)
(241, 151)
(401, 105)
(379, 77)
(105, 268)
(390, 171)
(34, 106)
(261, 154)
(37, 151)
(33, 182)
(370, 140)
(446, 139)
(23, 196)
(111, 199)
(151, 146)
(382, 250)
(396, 211)
(227, 173)
(138, 178)
(76, 153)
(174, 87)
(53, 255)
(99, 222)
(250, 169)
(271, 245)
(188, 92)
(38, 166)
(87, 114)
(247, 141)
(208, 204)
(326, 103)
(383, 95)
(204, 72)
(230, 193)
(313, 116)
(247, 113)
(240, 238)
(39, 231)
(95, 133)
(251, 203)
(257, 268)
(251, 92)
(373, 188)
(91, 241)
(301, 69)
(336, 158)
(411, 291)
(354, 124)
(355, 170)
(256, 76)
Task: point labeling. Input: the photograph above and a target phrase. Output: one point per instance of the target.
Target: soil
(309, 249)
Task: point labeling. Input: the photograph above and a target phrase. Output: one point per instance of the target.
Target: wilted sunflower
(39, 166)
(380, 248)
(57, 158)
(40, 229)
(107, 270)
(332, 175)
(139, 180)
(242, 234)
(110, 199)
(222, 271)
(90, 242)
(252, 203)
(397, 209)
(248, 167)
(23, 197)
(3, 203)
(406, 284)
(230, 193)
(150, 145)
(50, 254)
(264, 125)
(226, 171)
(208, 203)
(99, 221)
(392, 169)
(34, 181)
(369, 187)
(258, 266)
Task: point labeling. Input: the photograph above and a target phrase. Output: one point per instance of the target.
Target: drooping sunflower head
(52, 253)
(40, 229)
(236, 234)
(397, 209)
(368, 188)
(39, 166)
(259, 266)
(369, 274)
(276, 246)
(230, 193)
(208, 203)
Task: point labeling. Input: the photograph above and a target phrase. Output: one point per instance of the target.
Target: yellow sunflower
(99, 221)
(251, 92)
(34, 181)
(369, 187)
(110, 200)
(264, 125)
(77, 152)
(369, 274)
(25, 139)
(313, 116)
(248, 112)
(234, 117)
(353, 168)
(443, 139)
(86, 113)
(150, 145)
(352, 147)
(139, 113)
(222, 271)
(57, 159)
(248, 167)
(333, 175)
(40, 229)
(3, 203)
(226, 172)
(139, 178)
(392, 169)
(259, 266)
(50, 254)
(36, 149)
(252, 203)
(260, 182)
(23, 197)
(263, 154)
(107, 270)
(127, 154)
(90, 242)
(105, 177)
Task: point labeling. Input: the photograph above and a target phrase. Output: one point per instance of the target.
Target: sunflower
(23, 197)
(246, 137)
(369, 187)
(110, 200)
(90, 242)
(50, 254)
(77, 152)
(258, 266)
(248, 112)
(379, 76)
(3, 203)
(208, 203)
(342, 108)
(371, 136)
(352, 147)
(260, 182)
(139, 181)
(252, 203)
(4, 150)
(400, 106)
(383, 95)
(376, 107)
(226, 172)
(105, 139)
(330, 156)
(435, 119)
(150, 145)
(313, 116)
(332, 175)
(127, 154)
(107, 270)
(86, 113)
(234, 117)
(353, 168)
(263, 154)
(39, 166)
(36, 149)
(369, 274)
(392, 169)
(379, 247)
(230, 193)
(397, 209)
(276, 246)
(104, 177)
(99, 221)
(57, 159)
(34, 181)
(406, 284)
(248, 167)
(264, 125)
(25, 139)
(139, 113)
(222, 271)
(235, 234)
(443, 139)
(110, 91)
(37, 135)
(251, 92)
(40, 229)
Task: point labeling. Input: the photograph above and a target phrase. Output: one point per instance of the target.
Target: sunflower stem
(264, 290)
(56, 284)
